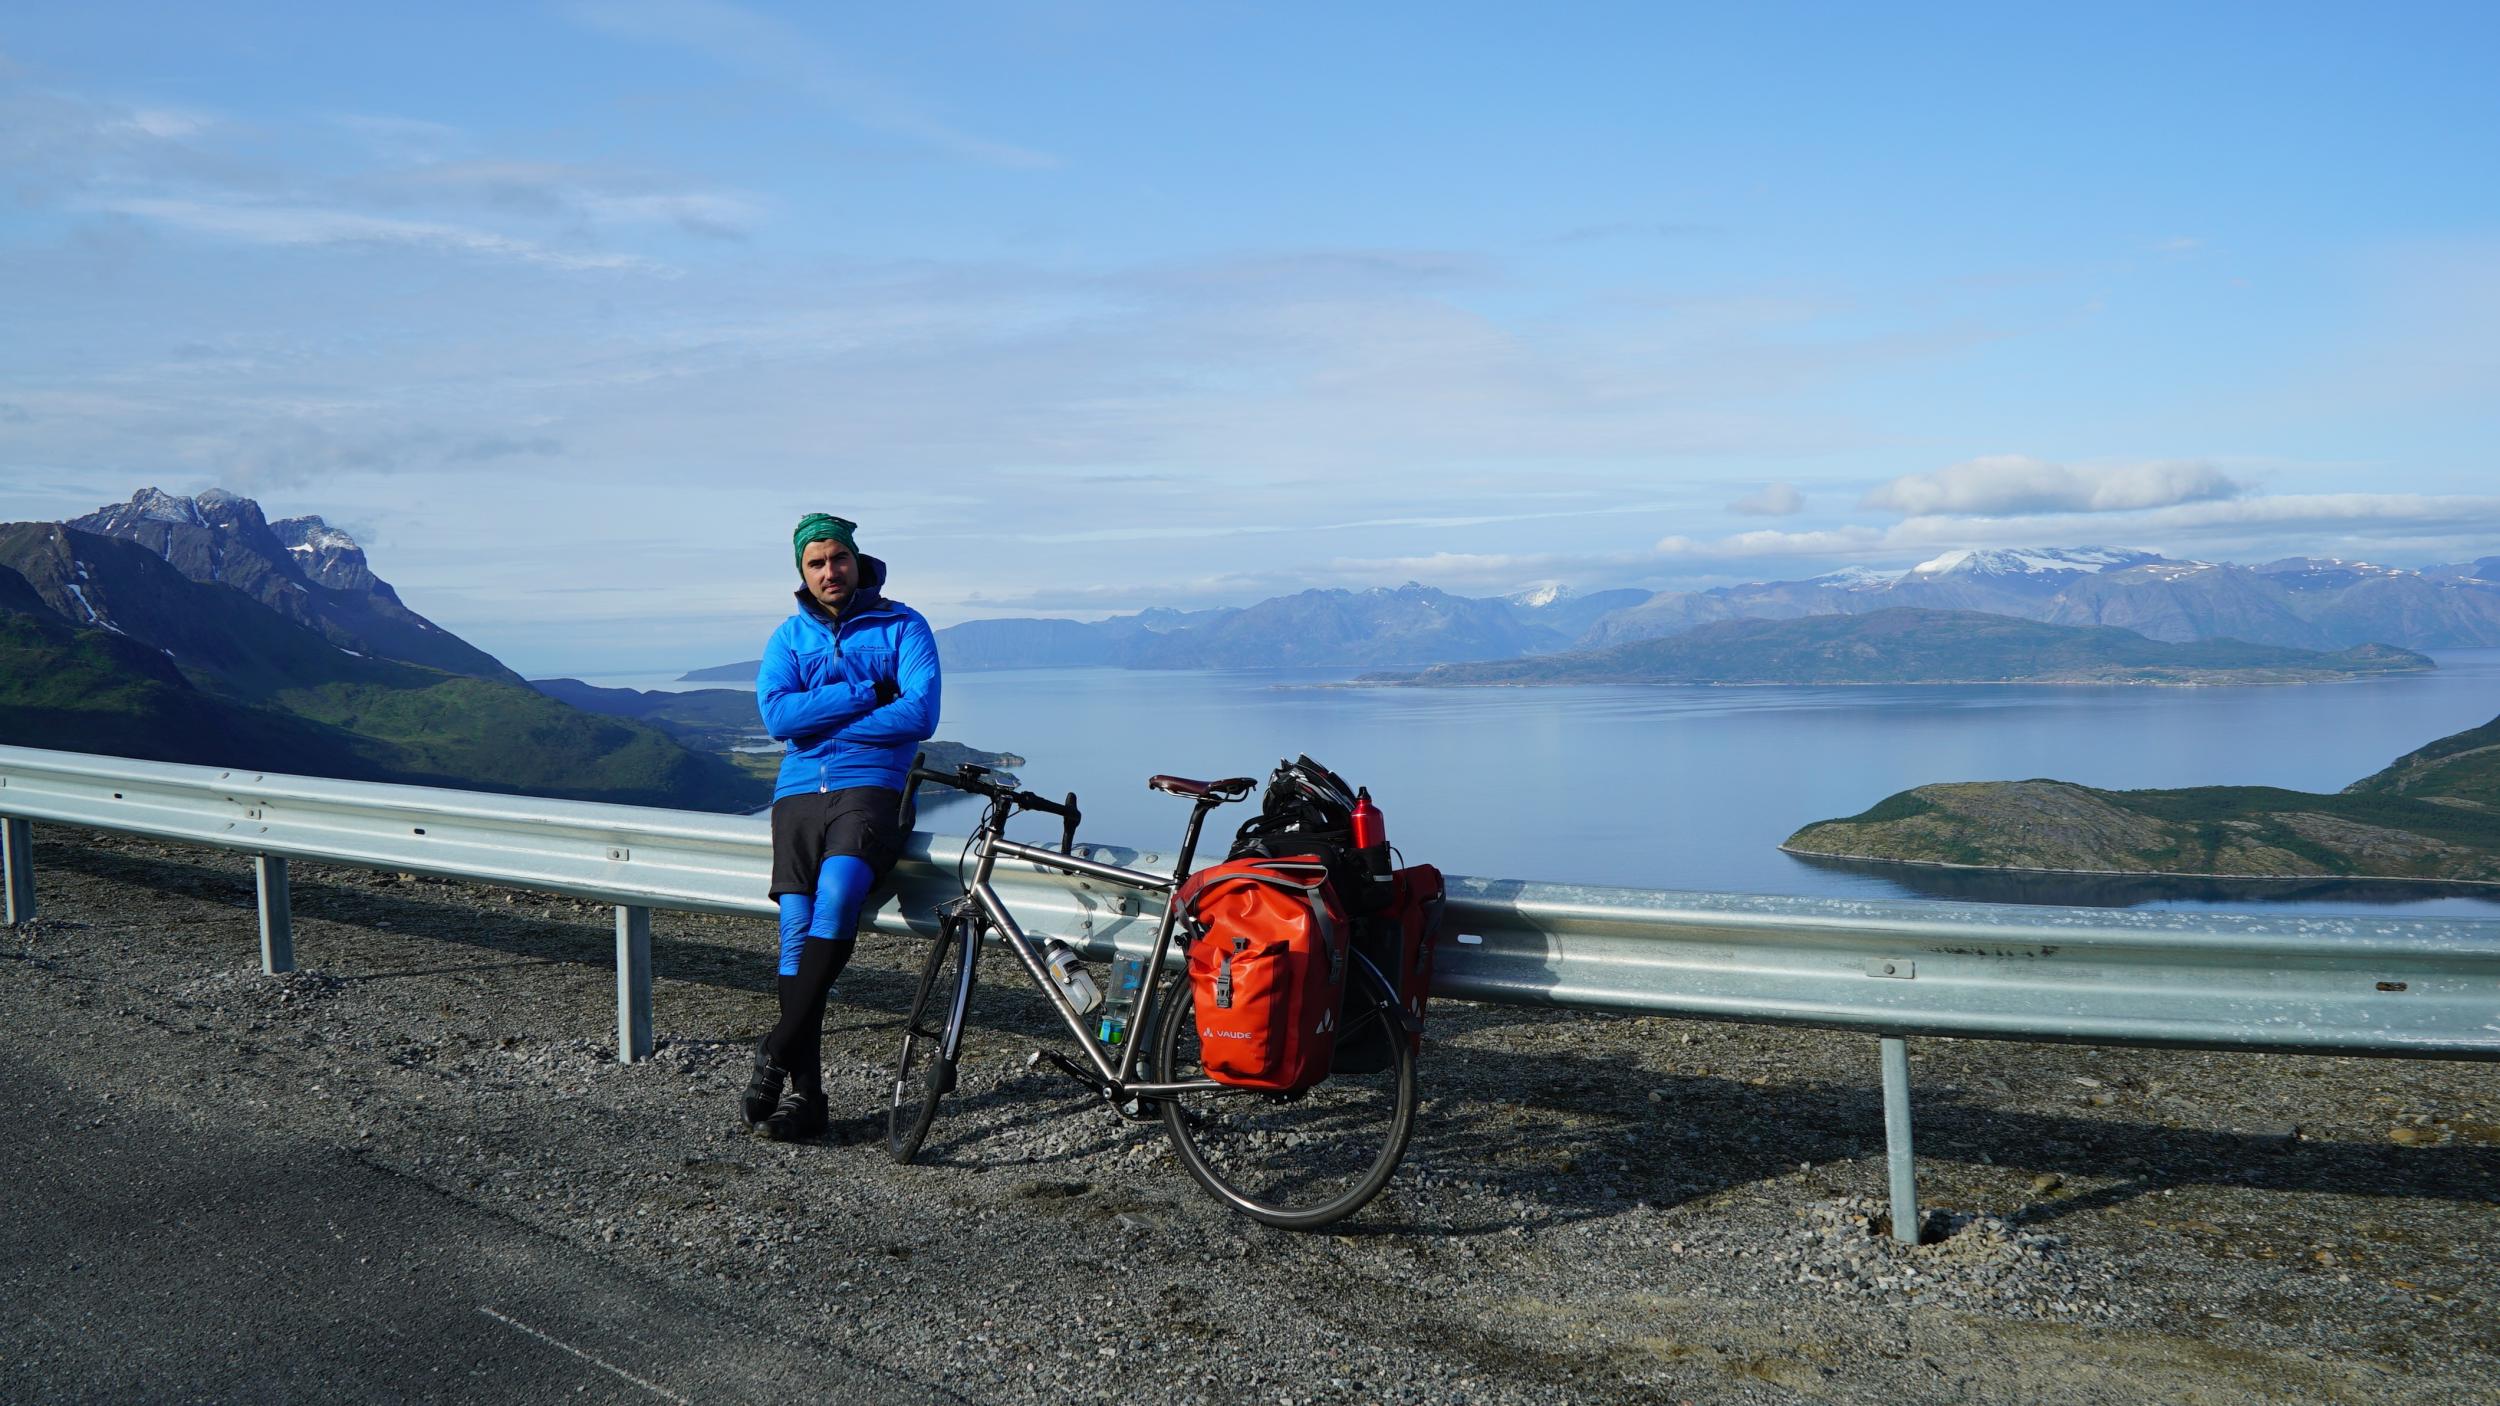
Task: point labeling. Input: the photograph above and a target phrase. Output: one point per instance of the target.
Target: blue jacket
(817, 690)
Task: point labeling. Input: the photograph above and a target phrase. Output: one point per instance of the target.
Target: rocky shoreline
(1596, 1209)
(2430, 881)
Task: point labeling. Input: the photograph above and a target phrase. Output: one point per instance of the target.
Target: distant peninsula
(1909, 646)
(2432, 815)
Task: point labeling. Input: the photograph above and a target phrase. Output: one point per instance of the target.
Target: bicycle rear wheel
(1296, 1161)
(924, 1071)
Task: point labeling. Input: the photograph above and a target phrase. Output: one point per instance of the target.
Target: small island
(2432, 815)
(1903, 646)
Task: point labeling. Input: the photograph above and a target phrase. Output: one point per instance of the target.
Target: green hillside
(94, 691)
(2463, 769)
(2433, 814)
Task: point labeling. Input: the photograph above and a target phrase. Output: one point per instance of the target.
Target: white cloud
(212, 174)
(403, 138)
(315, 225)
(2380, 511)
(584, 194)
(1769, 542)
(1774, 500)
(2000, 484)
(768, 48)
(163, 124)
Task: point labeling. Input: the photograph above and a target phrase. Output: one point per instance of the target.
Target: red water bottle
(1371, 835)
(1370, 830)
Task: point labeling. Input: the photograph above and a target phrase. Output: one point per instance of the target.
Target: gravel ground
(1595, 1209)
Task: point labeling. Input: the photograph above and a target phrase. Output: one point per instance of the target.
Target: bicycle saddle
(1231, 789)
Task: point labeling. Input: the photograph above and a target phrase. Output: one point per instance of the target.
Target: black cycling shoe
(798, 1117)
(763, 1093)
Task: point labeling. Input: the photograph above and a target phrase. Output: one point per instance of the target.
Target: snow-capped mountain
(1567, 612)
(326, 554)
(2026, 561)
(186, 631)
(1856, 578)
(303, 568)
(2320, 605)
(2303, 602)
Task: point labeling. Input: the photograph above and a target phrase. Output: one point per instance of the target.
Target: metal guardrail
(1895, 969)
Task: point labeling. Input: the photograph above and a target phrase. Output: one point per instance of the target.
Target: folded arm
(912, 716)
(792, 710)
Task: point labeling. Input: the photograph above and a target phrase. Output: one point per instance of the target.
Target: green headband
(822, 527)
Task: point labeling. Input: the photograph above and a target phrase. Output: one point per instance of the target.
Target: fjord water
(1694, 788)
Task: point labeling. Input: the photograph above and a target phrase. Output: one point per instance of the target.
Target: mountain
(2432, 814)
(1411, 624)
(302, 568)
(741, 672)
(1027, 644)
(1568, 613)
(2300, 603)
(2183, 601)
(110, 647)
(1902, 646)
(2346, 601)
(2016, 583)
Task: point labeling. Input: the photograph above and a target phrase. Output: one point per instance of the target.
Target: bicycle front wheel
(1297, 1161)
(924, 1071)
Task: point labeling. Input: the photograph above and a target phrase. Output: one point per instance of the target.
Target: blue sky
(567, 310)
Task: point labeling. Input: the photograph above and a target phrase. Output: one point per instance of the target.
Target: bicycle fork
(963, 927)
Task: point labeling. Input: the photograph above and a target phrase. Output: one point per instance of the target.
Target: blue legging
(830, 915)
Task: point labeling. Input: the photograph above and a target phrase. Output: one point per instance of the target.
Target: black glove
(887, 691)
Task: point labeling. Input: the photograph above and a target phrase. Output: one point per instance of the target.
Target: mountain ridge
(2302, 603)
(1906, 646)
(179, 634)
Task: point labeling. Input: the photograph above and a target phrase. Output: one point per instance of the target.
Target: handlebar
(973, 777)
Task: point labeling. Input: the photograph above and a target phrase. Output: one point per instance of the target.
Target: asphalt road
(150, 1262)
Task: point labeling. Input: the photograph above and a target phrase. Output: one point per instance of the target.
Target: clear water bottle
(1076, 983)
(1128, 981)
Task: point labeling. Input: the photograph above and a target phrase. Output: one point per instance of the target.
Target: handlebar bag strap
(1267, 971)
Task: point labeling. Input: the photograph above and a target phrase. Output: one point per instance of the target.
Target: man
(849, 685)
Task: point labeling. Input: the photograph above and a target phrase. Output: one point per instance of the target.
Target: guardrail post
(17, 869)
(277, 924)
(1897, 1139)
(633, 983)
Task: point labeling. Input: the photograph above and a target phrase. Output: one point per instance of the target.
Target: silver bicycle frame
(991, 846)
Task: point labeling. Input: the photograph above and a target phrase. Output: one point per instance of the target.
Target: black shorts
(814, 826)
